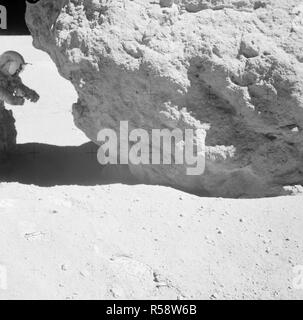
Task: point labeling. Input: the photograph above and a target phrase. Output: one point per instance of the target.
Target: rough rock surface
(233, 68)
(7, 131)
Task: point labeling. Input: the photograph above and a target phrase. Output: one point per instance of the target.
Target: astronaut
(12, 90)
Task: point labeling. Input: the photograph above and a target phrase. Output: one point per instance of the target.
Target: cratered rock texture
(232, 69)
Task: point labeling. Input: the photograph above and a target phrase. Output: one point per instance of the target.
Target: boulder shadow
(48, 165)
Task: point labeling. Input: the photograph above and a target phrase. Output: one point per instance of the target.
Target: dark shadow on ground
(47, 165)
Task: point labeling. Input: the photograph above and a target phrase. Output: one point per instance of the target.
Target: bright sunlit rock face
(233, 68)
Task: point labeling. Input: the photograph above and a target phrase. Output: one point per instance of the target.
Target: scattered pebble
(64, 267)
(214, 296)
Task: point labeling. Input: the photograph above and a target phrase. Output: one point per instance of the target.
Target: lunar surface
(70, 233)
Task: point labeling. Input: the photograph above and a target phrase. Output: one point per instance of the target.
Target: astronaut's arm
(23, 91)
(10, 99)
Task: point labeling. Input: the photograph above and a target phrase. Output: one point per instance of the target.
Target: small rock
(214, 296)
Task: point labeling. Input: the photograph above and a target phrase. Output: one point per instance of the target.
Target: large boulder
(232, 69)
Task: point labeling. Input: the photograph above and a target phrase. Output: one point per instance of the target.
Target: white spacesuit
(12, 90)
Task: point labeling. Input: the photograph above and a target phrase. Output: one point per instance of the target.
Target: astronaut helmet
(12, 63)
